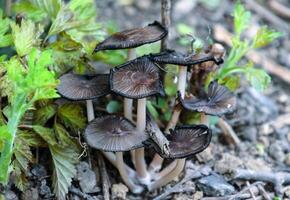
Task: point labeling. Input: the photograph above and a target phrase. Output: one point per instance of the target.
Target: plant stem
(121, 167)
(157, 161)
(140, 163)
(8, 7)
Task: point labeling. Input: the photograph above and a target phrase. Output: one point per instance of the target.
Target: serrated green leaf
(47, 134)
(22, 153)
(20, 181)
(33, 139)
(51, 7)
(62, 135)
(231, 82)
(258, 78)
(113, 106)
(29, 10)
(265, 36)
(43, 114)
(242, 18)
(64, 161)
(5, 38)
(25, 36)
(72, 116)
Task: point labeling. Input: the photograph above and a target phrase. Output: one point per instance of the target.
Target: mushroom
(129, 39)
(184, 141)
(173, 57)
(115, 134)
(138, 79)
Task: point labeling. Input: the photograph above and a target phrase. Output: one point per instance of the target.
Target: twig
(263, 192)
(166, 21)
(222, 35)
(250, 190)
(78, 192)
(279, 8)
(104, 177)
(268, 15)
(8, 7)
(277, 179)
(228, 132)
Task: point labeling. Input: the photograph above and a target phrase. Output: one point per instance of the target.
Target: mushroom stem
(204, 119)
(157, 161)
(90, 117)
(168, 177)
(112, 159)
(128, 103)
(166, 170)
(140, 163)
(121, 167)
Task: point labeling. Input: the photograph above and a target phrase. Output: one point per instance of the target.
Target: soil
(265, 137)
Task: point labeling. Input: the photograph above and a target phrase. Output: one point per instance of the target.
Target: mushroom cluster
(138, 79)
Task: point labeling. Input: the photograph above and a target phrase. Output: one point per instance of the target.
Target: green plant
(229, 73)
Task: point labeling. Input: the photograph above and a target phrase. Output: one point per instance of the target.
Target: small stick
(104, 177)
(268, 15)
(79, 193)
(263, 192)
(166, 21)
(228, 132)
(250, 190)
(279, 8)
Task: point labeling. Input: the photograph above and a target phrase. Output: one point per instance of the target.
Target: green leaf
(22, 153)
(29, 10)
(33, 139)
(113, 106)
(5, 38)
(184, 29)
(51, 7)
(148, 48)
(62, 135)
(265, 36)
(152, 109)
(64, 161)
(171, 80)
(231, 82)
(47, 134)
(72, 116)
(258, 78)
(43, 114)
(242, 19)
(25, 36)
(20, 181)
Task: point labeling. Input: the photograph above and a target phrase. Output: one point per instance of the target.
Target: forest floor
(257, 164)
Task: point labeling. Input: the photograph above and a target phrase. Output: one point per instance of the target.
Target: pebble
(227, 164)
(30, 194)
(197, 195)
(249, 133)
(276, 151)
(87, 178)
(119, 191)
(215, 185)
(256, 164)
(206, 155)
(287, 159)
(10, 195)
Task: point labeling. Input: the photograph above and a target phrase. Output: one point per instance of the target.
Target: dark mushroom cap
(217, 101)
(136, 79)
(177, 58)
(113, 133)
(186, 141)
(83, 87)
(133, 37)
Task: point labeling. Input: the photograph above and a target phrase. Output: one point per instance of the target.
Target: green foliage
(229, 73)
(5, 38)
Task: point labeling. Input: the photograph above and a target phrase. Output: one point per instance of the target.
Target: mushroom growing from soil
(138, 79)
(116, 134)
(184, 61)
(184, 142)
(130, 39)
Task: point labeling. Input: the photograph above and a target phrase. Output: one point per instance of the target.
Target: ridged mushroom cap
(113, 133)
(83, 87)
(136, 79)
(186, 141)
(217, 101)
(133, 37)
(177, 58)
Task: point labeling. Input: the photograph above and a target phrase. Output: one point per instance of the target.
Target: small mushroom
(217, 101)
(133, 37)
(176, 58)
(184, 141)
(138, 79)
(115, 134)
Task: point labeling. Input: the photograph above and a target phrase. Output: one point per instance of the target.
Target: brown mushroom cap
(83, 87)
(113, 133)
(133, 37)
(177, 58)
(136, 79)
(217, 101)
(186, 141)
